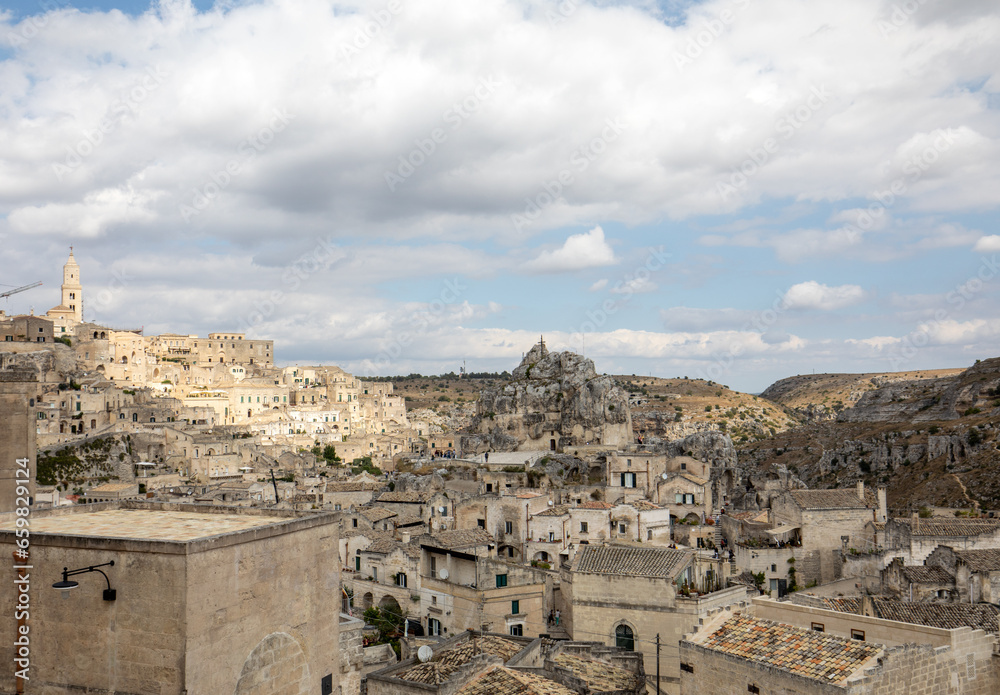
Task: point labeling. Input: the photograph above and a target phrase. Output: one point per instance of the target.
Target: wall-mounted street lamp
(66, 584)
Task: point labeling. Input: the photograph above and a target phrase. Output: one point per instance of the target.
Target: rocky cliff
(552, 400)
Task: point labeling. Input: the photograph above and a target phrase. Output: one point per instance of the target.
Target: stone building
(26, 329)
(773, 647)
(18, 389)
(976, 573)
(919, 583)
(504, 516)
(830, 522)
(475, 663)
(627, 595)
(914, 539)
(206, 600)
(69, 312)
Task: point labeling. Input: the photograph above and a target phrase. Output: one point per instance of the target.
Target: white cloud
(987, 244)
(636, 285)
(813, 295)
(580, 251)
(599, 285)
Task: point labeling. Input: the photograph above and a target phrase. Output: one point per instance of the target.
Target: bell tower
(72, 291)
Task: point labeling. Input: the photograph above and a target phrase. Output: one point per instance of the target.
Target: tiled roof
(458, 539)
(950, 527)
(694, 479)
(528, 495)
(448, 661)
(980, 560)
(410, 496)
(384, 546)
(601, 677)
(846, 498)
(982, 616)
(595, 504)
(927, 575)
(374, 514)
(632, 561)
(806, 653)
(645, 505)
(113, 487)
(352, 487)
(499, 680)
(558, 510)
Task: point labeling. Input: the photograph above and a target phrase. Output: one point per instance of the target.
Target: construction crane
(18, 289)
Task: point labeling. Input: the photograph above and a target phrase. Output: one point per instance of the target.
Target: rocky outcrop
(553, 400)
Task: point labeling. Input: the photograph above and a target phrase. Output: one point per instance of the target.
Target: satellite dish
(424, 654)
(442, 510)
(663, 475)
(550, 503)
(443, 574)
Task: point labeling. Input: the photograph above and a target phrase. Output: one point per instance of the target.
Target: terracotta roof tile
(982, 616)
(927, 575)
(987, 560)
(950, 527)
(601, 677)
(558, 510)
(595, 504)
(499, 680)
(806, 653)
(446, 662)
(374, 514)
(632, 561)
(458, 539)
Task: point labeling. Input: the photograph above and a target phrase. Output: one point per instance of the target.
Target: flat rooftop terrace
(147, 524)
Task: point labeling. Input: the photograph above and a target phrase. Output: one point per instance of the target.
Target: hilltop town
(550, 529)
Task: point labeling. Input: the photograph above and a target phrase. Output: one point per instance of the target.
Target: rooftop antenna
(275, 484)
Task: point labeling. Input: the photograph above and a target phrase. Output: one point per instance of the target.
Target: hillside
(931, 439)
(822, 396)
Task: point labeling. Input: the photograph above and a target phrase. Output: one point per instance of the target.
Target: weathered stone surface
(552, 398)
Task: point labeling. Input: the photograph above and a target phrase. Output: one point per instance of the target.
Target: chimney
(883, 511)
(916, 521)
(861, 490)
(404, 536)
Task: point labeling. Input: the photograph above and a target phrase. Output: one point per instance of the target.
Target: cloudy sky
(738, 189)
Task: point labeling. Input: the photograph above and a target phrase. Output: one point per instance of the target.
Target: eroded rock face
(553, 400)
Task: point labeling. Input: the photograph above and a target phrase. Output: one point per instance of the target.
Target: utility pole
(657, 663)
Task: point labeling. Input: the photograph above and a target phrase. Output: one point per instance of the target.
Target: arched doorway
(367, 601)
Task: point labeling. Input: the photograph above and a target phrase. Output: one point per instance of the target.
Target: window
(434, 627)
(510, 551)
(774, 568)
(517, 630)
(336, 507)
(679, 498)
(515, 607)
(552, 536)
(355, 523)
(684, 466)
(481, 523)
(621, 527)
(401, 580)
(858, 635)
(753, 688)
(375, 573)
(501, 581)
(624, 638)
(508, 527)
(583, 527)
(649, 534)
(688, 499)
(357, 564)
(628, 479)
(818, 627)
(687, 668)
(489, 487)
(628, 462)
(434, 566)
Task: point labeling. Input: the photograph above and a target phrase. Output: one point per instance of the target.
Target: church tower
(72, 291)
